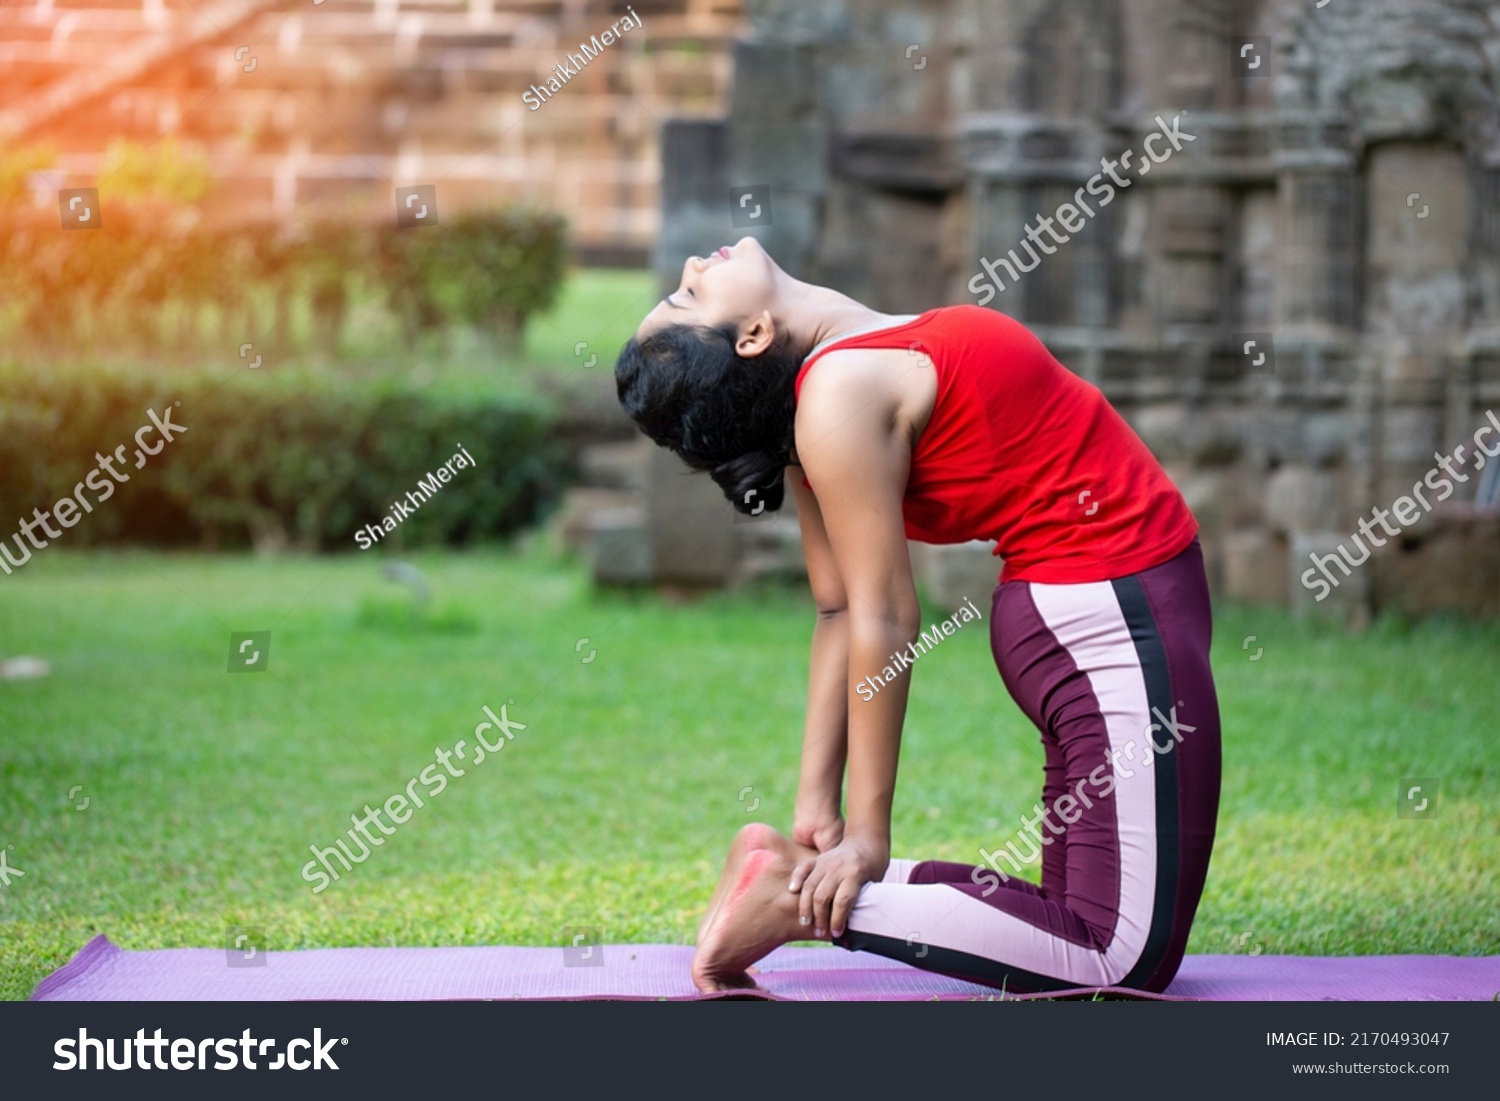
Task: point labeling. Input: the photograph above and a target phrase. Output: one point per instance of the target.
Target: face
(734, 284)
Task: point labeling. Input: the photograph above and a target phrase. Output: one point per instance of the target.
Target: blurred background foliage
(156, 281)
(292, 458)
(310, 430)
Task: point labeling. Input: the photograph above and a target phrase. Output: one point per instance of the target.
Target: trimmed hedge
(273, 457)
(488, 269)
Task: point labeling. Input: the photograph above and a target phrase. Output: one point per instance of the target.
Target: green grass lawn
(601, 306)
(614, 805)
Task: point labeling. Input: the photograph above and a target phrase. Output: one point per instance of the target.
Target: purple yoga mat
(104, 972)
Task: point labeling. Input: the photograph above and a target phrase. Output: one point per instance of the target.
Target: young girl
(953, 425)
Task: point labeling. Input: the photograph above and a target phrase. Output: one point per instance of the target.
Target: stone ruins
(1298, 309)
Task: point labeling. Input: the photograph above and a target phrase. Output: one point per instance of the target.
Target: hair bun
(753, 482)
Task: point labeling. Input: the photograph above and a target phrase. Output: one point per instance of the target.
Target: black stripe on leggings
(955, 964)
(1153, 657)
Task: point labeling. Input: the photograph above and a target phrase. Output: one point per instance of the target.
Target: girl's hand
(821, 830)
(830, 882)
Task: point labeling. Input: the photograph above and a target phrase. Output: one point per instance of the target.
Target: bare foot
(755, 915)
(757, 835)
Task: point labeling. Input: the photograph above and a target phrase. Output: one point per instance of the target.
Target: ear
(756, 335)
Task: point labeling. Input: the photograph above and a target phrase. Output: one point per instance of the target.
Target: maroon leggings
(1115, 675)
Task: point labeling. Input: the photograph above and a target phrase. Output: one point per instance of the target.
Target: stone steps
(634, 511)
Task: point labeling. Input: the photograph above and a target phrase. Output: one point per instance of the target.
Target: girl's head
(709, 374)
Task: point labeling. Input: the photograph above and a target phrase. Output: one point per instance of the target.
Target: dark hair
(688, 389)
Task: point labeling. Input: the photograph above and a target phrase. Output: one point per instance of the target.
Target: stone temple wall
(319, 108)
(1298, 309)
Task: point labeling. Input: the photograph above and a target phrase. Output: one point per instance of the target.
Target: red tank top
(1021, 451)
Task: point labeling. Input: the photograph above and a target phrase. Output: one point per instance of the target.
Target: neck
(813, 314)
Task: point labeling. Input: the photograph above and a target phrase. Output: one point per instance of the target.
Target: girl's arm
(856, 449)
(818, 820)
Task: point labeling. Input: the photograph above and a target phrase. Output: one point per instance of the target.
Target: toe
(757, 835)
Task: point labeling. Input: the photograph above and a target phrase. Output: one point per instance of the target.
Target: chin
(754, 246)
